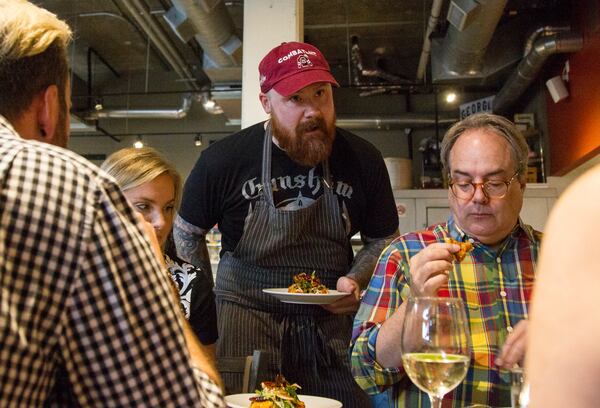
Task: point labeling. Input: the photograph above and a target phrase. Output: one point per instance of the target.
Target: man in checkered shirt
(74, 306)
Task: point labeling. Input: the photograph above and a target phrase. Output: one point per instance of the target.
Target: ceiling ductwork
(436, 9)
(141, 15)
(530, 66)
(209, 22)
(180, 113)
(412, 120)
(460, 54)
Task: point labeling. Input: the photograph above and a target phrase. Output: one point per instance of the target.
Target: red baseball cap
(292, 66)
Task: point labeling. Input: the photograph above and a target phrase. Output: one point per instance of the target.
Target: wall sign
(479, 105)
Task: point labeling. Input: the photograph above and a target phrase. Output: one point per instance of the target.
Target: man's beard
(306, 150)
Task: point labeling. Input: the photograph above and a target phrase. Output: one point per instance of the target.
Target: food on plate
(305, 283)
(465, 247)
(277, 394)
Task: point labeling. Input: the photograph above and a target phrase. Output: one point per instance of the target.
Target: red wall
(574, 123)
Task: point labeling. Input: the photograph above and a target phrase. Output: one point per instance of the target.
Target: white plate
(243, 401)
(306, 298)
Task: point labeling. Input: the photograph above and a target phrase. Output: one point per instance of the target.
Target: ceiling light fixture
(209, 104)
(198, 141)
(139, 143)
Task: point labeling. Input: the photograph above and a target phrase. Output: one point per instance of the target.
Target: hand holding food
(465, 247)
(429, 268)
(277, 394)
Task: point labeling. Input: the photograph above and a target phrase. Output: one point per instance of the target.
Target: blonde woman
(153, 188)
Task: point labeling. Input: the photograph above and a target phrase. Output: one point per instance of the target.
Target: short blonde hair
(28, 30)
(33, 55)
(132, 167)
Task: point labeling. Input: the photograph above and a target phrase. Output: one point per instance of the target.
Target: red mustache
(312, 125)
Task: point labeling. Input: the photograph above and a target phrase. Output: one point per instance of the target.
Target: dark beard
(306, 150)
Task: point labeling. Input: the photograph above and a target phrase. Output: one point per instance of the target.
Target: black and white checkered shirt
(81, 292)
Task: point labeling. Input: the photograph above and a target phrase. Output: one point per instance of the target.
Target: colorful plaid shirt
(496, 288)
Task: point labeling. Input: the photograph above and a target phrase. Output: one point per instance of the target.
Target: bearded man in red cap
(288, 194)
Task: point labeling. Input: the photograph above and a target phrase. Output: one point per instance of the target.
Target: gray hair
(501, 126)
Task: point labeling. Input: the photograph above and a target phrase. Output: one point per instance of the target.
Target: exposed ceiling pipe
(436, 8)
(212, 26)
(463, 50)
(541, 31)
(530, 66)
(413, 120)
(138, 11)
(358, 69)
(180, 113)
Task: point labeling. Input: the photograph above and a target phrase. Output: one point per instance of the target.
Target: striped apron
(307, 344)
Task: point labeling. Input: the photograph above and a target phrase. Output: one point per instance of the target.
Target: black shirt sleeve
(203, 310)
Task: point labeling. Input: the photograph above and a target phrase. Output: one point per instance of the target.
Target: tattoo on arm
(190, 242)
(366, 259)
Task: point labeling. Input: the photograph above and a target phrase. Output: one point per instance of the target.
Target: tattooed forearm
(190, 242)
(366, 259)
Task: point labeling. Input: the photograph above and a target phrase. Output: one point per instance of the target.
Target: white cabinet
(418, 209)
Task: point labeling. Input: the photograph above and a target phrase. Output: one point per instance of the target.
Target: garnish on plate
(277, 394)
(305, 283)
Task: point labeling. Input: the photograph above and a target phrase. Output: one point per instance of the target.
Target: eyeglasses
(492, 188)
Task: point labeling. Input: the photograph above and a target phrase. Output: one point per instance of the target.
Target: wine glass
(435, 345)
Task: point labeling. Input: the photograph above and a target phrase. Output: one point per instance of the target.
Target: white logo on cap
(293, 53)
(303, 61)
(263, 78)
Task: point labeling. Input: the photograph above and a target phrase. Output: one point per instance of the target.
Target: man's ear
(265, 102)
(47, 113)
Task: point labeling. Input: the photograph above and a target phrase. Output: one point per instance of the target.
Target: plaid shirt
(72, 298)
(496, 288)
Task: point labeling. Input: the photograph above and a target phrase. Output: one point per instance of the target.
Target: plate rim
(329, 294)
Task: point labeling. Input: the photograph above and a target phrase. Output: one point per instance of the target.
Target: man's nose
(480, 196)
(313, 109)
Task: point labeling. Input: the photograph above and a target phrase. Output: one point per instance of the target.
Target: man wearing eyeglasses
(485, 158)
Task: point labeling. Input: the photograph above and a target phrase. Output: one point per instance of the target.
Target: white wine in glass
(436, 345)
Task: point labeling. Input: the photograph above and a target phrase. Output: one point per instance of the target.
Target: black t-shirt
(196, 296)
(226, 179)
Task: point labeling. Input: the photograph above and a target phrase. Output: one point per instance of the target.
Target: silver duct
(530, 66)
(211, 25)
(464, 48)
(139, 12)
(412, 120)
(180, 113)
(436, 8)
(541, 32)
